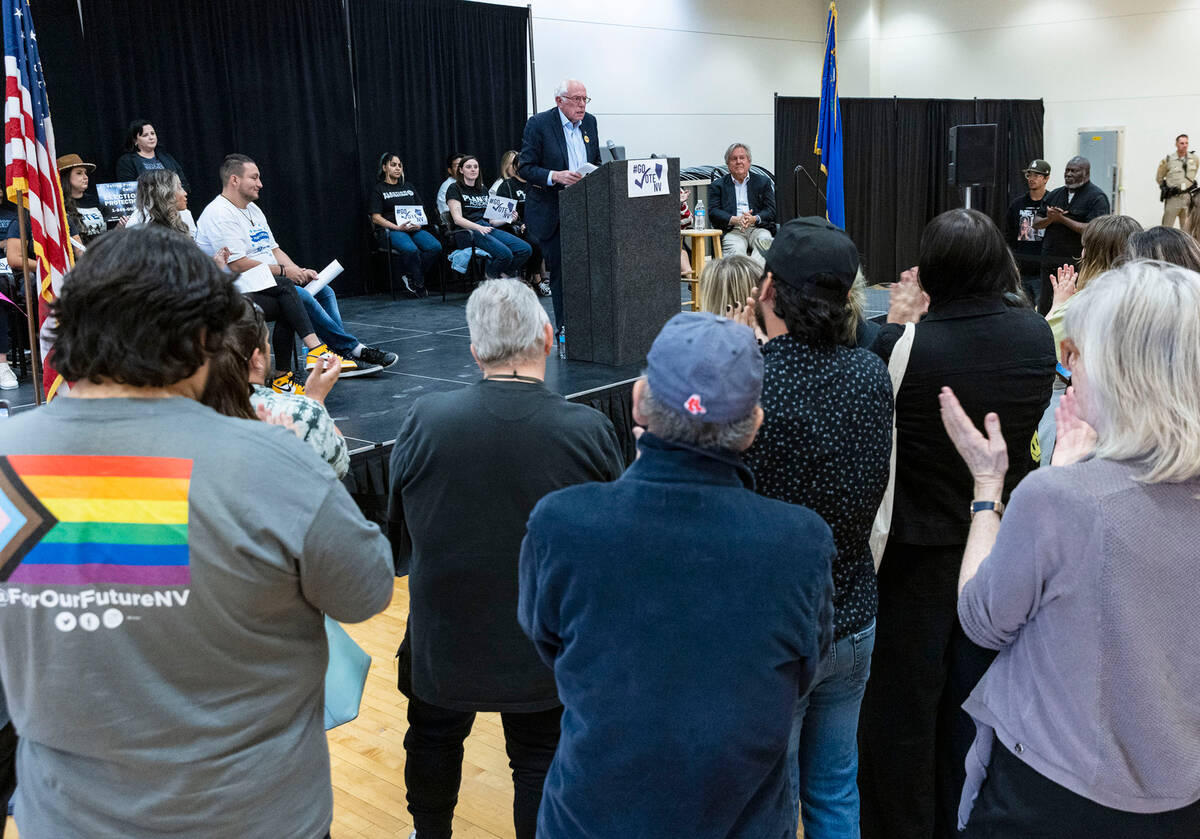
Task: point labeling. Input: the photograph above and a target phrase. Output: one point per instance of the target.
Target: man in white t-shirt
(234, 221)
(452, 162)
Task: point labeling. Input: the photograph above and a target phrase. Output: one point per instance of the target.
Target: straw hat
(71, 161)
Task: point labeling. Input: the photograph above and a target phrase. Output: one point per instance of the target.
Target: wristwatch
(978, 506)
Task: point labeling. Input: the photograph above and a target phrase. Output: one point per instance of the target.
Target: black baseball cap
(815, 257)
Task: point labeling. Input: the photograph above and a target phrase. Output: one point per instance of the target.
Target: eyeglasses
(578, 100)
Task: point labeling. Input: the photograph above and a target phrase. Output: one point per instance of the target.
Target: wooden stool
(697, 243)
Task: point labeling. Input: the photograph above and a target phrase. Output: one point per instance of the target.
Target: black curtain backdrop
(436, 77)
(896, 159)
(275, 79)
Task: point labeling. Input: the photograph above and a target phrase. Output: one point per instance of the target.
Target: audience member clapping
(1104, 245)
(237, 387)
(997, 356)
(1087, 720)
(175, 687)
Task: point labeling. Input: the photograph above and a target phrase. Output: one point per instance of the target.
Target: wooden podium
(620, 263)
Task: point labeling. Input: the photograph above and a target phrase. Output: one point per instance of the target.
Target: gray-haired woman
(1088, 719)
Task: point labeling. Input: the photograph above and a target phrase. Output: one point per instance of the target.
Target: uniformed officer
(1176, 176)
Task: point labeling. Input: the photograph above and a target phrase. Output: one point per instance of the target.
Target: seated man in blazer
(743, 205)
(555, 144)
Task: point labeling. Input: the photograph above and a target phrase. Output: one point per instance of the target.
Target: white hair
(1137, 329)
(561, 88)
(506, 321)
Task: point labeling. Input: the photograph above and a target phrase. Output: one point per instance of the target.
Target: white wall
(686, 77)
(1097, 64)
(681, 77)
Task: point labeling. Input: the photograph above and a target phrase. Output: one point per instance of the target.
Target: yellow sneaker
(350, 367)
(287, 383)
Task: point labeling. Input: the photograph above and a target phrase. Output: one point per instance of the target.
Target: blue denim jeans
(327, 320)
(823, 748)
(416, 253)
(508, 252)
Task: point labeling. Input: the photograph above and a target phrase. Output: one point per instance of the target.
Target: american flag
(30, 170)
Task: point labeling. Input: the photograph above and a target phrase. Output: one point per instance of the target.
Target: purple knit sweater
(1091, 595)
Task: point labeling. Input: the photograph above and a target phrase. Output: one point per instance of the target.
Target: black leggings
(1017, 801)
(282, 305)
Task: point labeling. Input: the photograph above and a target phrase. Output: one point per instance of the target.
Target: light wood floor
(367, 754)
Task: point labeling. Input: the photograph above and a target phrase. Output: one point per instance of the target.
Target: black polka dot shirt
(825, 443)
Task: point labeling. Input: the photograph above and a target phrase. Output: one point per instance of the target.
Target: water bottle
(699, 217)
(562, 343)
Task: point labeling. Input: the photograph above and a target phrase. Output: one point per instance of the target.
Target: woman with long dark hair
(468, 199)
(416, 248)
(142, 154)
(913, 734)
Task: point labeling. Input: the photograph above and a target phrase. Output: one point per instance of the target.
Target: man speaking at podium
(555, 144)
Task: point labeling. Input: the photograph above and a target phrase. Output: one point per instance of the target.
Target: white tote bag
(883, 516)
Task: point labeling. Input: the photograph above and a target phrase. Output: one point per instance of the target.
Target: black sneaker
(375, 356)
(422, 292)
(408, 286)
(543, 288)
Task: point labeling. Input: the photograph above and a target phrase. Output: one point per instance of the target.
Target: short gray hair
(734, 147)
(506, 321)
(1137, 329)
(674, 427)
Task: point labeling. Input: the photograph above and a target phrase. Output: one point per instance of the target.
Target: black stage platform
(433, 344)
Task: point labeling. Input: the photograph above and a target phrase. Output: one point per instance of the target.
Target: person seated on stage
(179, 692)
(83, 223)
(513, 186)
(20, 267)
(416, 247)
(233, 220)
(161, 200)
(236, 387)
(742, 204)
(452, 162)
(467, 200)
(142, 154)
(726, 284)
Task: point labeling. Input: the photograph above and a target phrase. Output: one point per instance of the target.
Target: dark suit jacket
(722, 200)
(543, 149)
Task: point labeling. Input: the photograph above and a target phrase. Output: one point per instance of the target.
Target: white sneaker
(8, 381)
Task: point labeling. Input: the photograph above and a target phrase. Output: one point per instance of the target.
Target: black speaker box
(973, 155)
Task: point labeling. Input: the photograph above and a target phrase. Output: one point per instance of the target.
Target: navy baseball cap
(815, 257)
(705, 366)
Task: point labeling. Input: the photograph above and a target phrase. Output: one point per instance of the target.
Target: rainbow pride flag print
(91, 519)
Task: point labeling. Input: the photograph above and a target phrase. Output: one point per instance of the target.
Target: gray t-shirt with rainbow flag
(163, 573)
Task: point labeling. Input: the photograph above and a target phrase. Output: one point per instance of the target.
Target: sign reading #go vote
(647, 177)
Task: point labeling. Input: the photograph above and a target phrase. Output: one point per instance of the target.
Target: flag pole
(35, 353)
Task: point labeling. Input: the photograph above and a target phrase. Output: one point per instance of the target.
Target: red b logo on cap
(693, 405)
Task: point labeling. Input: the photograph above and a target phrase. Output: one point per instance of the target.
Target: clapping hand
(907, 301)
(1064, 285)
(745, 313)
(1074, 439)
(986, 457)
(1054, 214)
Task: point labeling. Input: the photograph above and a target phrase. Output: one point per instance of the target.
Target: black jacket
(996, 358)
(722, 200)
